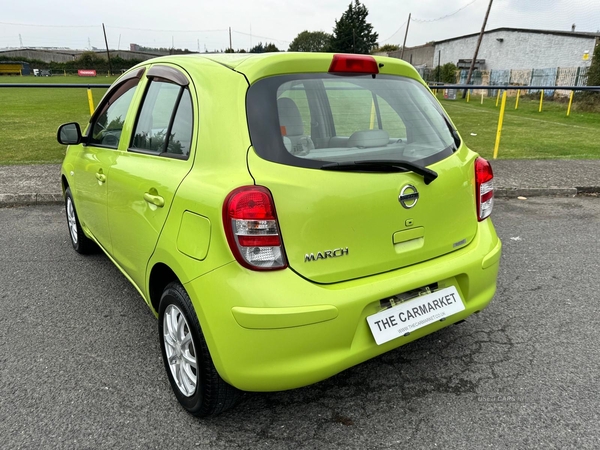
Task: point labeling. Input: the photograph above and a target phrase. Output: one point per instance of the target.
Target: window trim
(133, 75)
(168, 73)
(128, 81)
(159, 77)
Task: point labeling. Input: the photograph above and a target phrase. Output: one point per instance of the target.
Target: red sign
(86, 73)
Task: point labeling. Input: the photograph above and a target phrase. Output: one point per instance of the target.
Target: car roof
(259, 65)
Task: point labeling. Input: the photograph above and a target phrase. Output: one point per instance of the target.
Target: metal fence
(550, 77)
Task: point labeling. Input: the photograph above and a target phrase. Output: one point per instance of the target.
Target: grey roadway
(35, 184)
(80, 363)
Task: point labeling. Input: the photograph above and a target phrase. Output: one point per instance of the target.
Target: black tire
(210, 395)
(81, 243)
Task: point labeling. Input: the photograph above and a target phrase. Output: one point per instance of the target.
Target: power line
(447, 15)
(46, 26)
(170, 31)
(428, 20)
(262, 37)
(395, 32)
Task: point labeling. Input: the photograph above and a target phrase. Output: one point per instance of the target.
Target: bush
(444, 74)
(587, 101)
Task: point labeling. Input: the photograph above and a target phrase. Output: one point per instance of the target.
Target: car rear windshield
(308, 120)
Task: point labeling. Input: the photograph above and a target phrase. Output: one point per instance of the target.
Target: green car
(286, 216)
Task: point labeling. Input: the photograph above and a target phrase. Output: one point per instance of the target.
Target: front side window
(165, 122)
(309, 120)
(107, 126)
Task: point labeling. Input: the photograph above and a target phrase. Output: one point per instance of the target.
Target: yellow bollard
(570, 103)
(518, 95)
(541, 100)
(468, 95)
(482, 97)
(497, 98)
(500, 122)
(90, 101)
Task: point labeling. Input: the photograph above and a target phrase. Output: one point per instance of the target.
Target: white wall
(519, 50)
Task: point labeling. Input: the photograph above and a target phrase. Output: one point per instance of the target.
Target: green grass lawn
(527, 133)
(29, 118)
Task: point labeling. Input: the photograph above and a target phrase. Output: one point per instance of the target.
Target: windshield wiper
(383, 166)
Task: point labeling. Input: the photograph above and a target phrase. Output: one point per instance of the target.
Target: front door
(97, 155)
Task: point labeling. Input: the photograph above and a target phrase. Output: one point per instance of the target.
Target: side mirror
(69, 134)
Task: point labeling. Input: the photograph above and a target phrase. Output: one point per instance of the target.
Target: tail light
(252, 229)
(484, 188)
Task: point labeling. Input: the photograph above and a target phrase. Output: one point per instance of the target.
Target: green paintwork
(278, 330)
(194, 236)
(320, 210)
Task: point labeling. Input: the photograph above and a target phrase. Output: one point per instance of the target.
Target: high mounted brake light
(343, 63)
(484, 188)
(252, 229)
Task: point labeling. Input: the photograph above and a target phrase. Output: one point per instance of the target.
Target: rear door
(344, 224)
(145, 178)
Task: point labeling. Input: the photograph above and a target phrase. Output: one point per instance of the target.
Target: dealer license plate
(414, 314)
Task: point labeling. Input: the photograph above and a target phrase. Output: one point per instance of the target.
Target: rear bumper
(270, 331)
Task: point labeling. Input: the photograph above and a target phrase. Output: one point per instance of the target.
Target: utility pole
(487, 13)
(405, 36)
(230, 45)
(20, 40)
(107, 52)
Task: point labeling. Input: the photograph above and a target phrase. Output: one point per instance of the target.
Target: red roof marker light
(344, 63)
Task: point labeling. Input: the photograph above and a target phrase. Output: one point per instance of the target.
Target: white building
(518, 49)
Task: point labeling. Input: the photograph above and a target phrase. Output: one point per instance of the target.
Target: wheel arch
(160, 276)
(64, 184)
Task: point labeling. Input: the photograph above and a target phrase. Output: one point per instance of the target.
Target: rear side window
(311, 119)
(165, 121)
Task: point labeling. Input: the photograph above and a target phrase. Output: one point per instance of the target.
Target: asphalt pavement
(40, 184)
(80, 364)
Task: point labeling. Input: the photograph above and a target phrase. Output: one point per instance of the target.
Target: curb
(31, 199)
(545, 192)
(58, 199)
(535, 192)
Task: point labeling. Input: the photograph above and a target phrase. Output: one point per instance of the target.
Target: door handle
(154, 199)
(100, 177)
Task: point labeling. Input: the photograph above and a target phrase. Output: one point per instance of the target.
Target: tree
(258, 48)
(267, 48)
(310, 41)
(386, 48)
(271, 48)
(352, 33)
(444, 74)
(594, 71)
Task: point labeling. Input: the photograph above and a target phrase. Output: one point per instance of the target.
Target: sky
(204, 25)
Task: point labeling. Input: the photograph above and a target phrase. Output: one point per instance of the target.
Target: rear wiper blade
(453, 132)
(383, 166)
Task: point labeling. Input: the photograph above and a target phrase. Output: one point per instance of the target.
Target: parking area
(80, 365)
